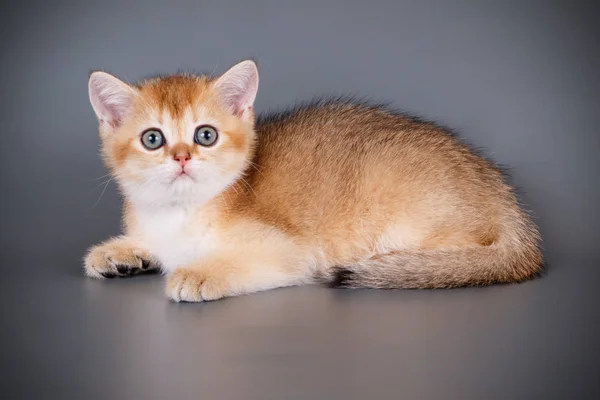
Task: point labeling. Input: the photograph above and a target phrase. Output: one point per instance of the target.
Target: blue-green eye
(205, 135)
(152, 139)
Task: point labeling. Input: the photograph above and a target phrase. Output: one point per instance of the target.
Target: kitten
(335, 191)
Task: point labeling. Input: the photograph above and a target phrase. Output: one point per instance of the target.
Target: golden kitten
(336, 191)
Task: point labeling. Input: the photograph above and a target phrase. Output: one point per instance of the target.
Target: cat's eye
(205, 135)
(152, 139)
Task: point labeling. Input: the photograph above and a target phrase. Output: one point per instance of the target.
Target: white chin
(180, 189)
(182, 184)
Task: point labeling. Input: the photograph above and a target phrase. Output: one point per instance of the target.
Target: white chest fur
(176, 236)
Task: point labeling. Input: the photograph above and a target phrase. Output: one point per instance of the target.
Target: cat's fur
(335, 191)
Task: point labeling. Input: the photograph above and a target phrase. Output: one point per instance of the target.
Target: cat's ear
(237, 88)
(111, 98)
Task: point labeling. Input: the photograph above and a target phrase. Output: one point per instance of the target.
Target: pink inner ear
(238, 87)
(110, 99)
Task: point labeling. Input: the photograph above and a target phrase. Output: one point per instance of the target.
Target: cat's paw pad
(189, 285)
(111, 260)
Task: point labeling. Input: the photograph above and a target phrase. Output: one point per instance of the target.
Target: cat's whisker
(147, 185)
(234, 188)
(255, 166)
(212, 74)
(100, 177)
(102, 193)
(228, 199)
(247, 185)
(101, 184)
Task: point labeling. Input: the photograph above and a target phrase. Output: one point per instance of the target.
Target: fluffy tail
(513, 257)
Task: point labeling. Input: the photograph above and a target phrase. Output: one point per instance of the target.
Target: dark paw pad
(122, 269)
(108, 275)
(126, 269)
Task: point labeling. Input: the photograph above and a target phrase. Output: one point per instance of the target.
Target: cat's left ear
(237, 88)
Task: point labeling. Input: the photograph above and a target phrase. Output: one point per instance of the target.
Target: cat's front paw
(190, 285)
(117, 258)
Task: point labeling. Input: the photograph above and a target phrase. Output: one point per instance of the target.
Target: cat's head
(176, 139)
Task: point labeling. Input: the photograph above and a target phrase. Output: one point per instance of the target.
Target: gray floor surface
(68, 337)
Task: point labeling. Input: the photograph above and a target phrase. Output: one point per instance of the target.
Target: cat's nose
(182, 157)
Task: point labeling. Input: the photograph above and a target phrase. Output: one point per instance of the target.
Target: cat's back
(341, 137)
(338, 148)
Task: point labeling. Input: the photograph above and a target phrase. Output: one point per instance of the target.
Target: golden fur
(335, 191)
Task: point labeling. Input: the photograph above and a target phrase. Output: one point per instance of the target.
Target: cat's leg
(261, 263)
(119, 256)
(224, 277)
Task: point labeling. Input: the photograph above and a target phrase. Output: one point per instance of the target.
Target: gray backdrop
(518, 78)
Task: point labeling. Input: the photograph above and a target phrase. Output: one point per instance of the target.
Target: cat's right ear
(111, 98)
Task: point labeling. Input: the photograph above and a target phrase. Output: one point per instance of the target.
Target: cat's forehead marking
(173, 127)
(177, 93)
(167, 122)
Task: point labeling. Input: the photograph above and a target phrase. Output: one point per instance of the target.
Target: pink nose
(182, 158)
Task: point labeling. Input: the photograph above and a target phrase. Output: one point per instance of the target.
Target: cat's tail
(513, 257)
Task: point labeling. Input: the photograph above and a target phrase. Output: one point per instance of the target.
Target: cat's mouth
(181, 176)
